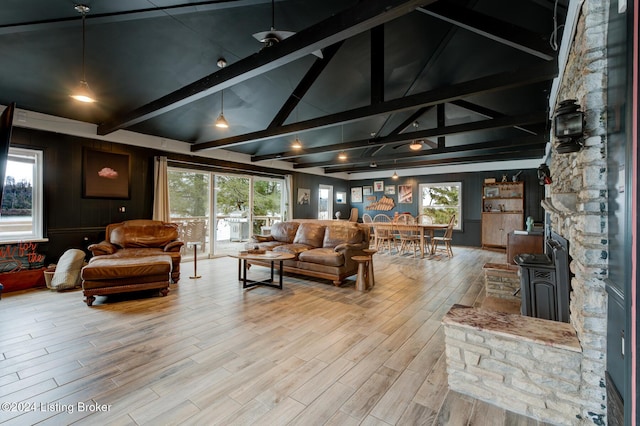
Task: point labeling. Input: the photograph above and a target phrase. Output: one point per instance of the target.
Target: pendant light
(395, 173)
(415, 145)
(222, 122)
(343, 155)
(297, 143)
(83, 93)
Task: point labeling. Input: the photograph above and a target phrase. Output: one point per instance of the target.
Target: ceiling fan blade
(271, 35)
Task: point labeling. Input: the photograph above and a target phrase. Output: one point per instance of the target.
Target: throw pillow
(67, 274)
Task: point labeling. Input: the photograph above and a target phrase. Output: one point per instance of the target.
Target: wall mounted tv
(6, 124)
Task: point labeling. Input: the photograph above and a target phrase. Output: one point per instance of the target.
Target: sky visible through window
(20, 171)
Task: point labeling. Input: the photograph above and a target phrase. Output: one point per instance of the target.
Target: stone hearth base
(523, 364)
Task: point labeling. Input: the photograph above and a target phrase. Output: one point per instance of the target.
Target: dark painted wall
(619, 169)
(471, 233)
(312, 183)
(71, 221)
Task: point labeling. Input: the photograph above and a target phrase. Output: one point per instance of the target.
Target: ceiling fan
(417, 144)
(273, 36)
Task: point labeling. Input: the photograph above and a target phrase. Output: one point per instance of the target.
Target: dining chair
(424, 219)
(408, 237)
(367, 219)
(445, 239)
(383, 236)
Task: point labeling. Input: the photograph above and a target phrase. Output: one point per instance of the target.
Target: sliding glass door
(189, 207)
(222, 211)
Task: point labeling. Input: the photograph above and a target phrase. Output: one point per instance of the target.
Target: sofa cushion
(284, 231)
(335, 235)
(143, 233)
(293, 249)
(322, 256)
(311, 234)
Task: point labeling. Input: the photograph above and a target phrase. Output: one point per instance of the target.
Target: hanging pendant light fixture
(83, 93)
(415, 145)
(342, 155)
(222, 122)
(297, 143)
(395, 173)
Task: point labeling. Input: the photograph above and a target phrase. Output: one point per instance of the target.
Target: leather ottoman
(104, 275)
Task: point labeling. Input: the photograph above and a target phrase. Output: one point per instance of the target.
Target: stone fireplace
(496, 357)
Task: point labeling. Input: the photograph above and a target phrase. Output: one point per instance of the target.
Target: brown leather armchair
(139, 238)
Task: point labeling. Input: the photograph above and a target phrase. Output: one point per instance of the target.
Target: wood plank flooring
(212, 353)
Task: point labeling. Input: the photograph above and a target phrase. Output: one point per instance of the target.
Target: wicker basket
(48, 276)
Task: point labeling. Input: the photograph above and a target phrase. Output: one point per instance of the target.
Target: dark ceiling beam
(410, 120)
(487, 113)
(528, 155)
(305, 84)
(497, 123)
(348, 23)
(502, 81)
(491, 28)
(440, 119)
(131, 15)
(377, 64)
(504, 145)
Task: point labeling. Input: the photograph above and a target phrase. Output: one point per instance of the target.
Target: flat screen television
(6, 124)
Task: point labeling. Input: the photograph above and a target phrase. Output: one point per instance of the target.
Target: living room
(590, 199)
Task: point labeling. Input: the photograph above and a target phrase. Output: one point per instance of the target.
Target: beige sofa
(322, 248)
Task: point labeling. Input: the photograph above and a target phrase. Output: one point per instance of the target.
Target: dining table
(422, 228)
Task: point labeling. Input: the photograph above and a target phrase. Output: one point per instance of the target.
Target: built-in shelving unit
(502, 212)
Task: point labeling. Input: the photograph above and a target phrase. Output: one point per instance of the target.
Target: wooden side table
(371, 282)
(363, 272)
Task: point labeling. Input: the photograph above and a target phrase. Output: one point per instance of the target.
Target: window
(21, 212)
(441, 200)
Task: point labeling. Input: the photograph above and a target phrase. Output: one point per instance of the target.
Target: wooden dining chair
(408, 238)
(383, 236)
(444, 239)
(424, 219)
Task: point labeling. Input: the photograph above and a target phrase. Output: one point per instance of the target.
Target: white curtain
(288, 196)
(161, 190)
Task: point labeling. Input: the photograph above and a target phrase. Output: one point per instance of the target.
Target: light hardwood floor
(212, 353)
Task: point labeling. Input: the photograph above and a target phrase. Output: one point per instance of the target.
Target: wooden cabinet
(523, 243)
(502, 212)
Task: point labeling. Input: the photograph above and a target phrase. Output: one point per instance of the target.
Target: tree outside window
(442, 200)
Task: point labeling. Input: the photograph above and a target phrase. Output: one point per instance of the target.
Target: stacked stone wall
(578, 202)
(502, 281)
(500, 364)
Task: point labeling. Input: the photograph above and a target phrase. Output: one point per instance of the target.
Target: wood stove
(545, 280)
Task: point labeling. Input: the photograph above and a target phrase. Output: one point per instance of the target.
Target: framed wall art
(378, 186)
(367, 190)
(303, 195)
(390, 190)
(341, 197)
(405, 194)
(105, 174)
(356, 194)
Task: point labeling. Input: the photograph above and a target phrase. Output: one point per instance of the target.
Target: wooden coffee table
(268, 256)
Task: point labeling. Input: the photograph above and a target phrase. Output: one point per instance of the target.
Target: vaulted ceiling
(469, 79)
